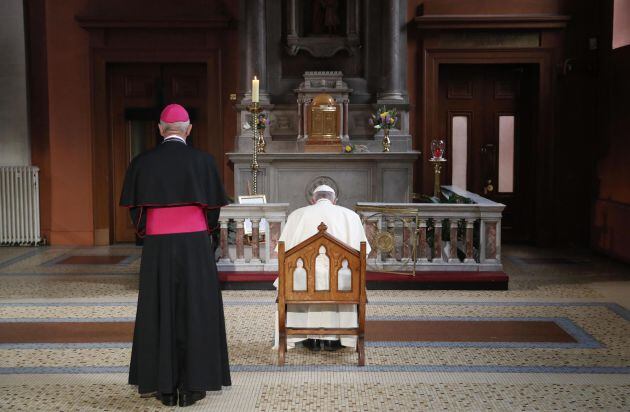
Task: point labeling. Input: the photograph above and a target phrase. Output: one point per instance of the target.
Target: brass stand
(386, 142)
(255, 109)
(437, 170)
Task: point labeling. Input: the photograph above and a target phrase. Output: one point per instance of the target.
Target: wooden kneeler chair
(308, 252)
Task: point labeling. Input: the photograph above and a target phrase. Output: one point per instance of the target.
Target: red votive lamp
(437, 148)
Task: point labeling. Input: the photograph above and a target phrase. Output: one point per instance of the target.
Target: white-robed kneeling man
(345, 225)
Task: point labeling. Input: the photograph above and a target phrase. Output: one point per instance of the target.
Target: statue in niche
(331, 15)
(344, 276)
(325, 17)
(299, 276)
(322, 270)
(323, 28)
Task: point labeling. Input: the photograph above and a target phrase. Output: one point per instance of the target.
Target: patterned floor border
(16, 259)
(345, 368)
(584, 339)
(55, 261)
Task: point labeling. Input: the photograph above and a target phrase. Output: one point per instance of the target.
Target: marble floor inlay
(558, 339)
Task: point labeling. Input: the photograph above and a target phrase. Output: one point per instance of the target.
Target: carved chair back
(321, 270)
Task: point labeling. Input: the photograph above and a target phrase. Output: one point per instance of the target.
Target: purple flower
(371, 121)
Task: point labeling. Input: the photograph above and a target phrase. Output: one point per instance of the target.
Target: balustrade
(427, 236)
(246, 252)
(435, 236)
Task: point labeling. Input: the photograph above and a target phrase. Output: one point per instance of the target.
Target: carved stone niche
(323, 28)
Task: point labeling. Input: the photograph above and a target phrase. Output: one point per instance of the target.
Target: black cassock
(179, 337)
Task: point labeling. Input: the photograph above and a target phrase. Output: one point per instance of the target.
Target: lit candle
(255, 90)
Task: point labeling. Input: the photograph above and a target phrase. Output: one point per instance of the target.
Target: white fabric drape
(343, 224)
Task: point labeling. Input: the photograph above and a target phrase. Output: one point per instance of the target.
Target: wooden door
(486, 114)
(137, 93)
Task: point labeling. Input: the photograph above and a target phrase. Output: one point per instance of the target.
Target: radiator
(19, 205)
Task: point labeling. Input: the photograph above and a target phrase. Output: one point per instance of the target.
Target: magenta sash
(176, 219)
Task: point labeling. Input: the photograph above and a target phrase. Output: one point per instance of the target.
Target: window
(506, 154)
(459, 140)
(621, 24)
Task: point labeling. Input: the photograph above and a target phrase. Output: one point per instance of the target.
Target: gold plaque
(323, 125)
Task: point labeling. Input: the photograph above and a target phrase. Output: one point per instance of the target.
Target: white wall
(14, 136)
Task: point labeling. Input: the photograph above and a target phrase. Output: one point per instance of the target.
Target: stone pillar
(255, 241)
(423, 247)
(437, 240)
(470, 223)
(406, 234)
(300, 105)
(225, 257)
(453, 235)
(253, 47)
(491, 240)
(345, 119)
(240, 246)
(391, 228)
(393, 59)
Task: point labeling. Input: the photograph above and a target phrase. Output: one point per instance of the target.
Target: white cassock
(345, 225)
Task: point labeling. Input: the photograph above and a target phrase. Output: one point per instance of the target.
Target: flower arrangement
(263, 122)
(349, 148)
(384, 118)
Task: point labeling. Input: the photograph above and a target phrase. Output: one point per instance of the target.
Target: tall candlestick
(255, 90)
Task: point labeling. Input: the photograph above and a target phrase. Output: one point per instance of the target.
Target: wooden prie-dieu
(303, 257)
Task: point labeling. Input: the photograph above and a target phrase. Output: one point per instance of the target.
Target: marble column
(253, 48)
(437, 241)
(255, 241)
(225, 257)
(393, 58)
(240, 246)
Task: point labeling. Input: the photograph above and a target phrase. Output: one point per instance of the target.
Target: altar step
(384, 281)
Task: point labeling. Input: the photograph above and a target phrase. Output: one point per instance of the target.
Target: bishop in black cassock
(174, 194)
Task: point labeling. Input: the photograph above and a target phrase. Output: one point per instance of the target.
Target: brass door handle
(489, 187)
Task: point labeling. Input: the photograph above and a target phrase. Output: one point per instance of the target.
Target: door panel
(137, 93)
(486, 115)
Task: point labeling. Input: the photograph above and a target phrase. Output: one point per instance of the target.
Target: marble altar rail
(266, 219)
(434, 236)
(418, 235)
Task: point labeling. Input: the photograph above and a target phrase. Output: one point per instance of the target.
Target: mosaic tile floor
(585, 296)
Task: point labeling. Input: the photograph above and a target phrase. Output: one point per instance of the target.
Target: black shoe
(187, 398)
(168, 399)
(312, 344)
(332, 345)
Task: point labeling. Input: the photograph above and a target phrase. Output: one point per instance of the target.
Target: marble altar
(289, 177)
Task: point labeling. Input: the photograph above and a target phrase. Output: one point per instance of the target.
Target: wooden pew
(308, 252)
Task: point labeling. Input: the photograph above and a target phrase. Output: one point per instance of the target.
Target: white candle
(255, 90)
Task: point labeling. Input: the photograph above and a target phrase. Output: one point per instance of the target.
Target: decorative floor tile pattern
(593, 374)
(295, 391)
(250, 332)
(449, 397)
